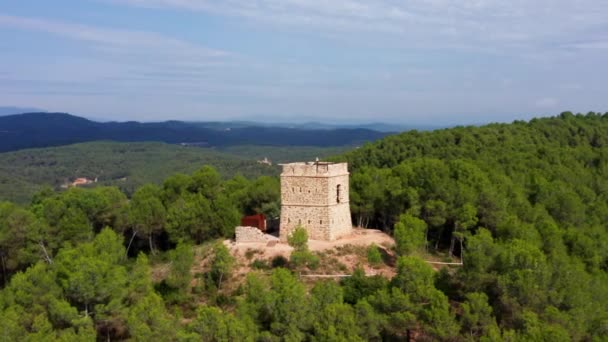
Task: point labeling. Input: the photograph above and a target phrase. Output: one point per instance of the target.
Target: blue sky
(408, 62)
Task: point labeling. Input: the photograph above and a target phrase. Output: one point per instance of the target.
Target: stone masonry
(251, 234)
(315, 195)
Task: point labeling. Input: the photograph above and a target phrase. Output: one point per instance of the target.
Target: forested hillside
(130, 165)
(125, 165)
(30, 130)
(523, 205)
(528, 200)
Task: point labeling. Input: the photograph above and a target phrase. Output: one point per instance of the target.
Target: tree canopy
(523, 205)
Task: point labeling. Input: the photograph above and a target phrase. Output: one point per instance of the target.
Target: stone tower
(315, 196)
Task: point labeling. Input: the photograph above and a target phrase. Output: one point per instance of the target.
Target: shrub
(298, 239)
(374, 257)
(279, 261)
(259, 264)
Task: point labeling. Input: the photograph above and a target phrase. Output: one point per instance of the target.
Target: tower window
(338, 193)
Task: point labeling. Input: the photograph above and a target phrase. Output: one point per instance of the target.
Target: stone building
(315, 196)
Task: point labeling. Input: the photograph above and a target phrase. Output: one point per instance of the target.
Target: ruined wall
(315, 196)
(249, 234)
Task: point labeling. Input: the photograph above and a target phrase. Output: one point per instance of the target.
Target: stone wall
(250, 234)
(315, 196)
(304, 190)
(341, 224)
(315, 219)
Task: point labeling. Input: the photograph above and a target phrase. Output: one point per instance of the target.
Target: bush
(298, 239)
(259, 264)
(250, 253)
(279, 261)
(374, 257)
(304, 259)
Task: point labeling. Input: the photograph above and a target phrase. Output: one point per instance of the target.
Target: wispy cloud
(352, 58)
(110, 38)
(105, 36)
(427, 23)
(114, 53)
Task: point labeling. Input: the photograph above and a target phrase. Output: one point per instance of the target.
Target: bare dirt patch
(336, 257)
(359, 237)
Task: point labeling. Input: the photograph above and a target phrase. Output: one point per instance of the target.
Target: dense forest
(523, 205)
(131, 165)
(124, 165)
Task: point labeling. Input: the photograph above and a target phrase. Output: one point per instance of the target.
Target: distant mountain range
(17, 110)
(53, 129)
(374, 126)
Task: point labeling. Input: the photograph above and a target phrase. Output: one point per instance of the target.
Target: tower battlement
(315, 169)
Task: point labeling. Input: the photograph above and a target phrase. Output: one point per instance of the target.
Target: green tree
(175, 187)
(359, 286)
(395, 312)
(182, 258)
(147, 214)
(466, 219)
(435, 212)
(336, 322)
(34, 303)
(206, 181)
(409, 234)
(416, 279)
(189, 218)
(477, 318)
(263, 197)
(213, 325)
(89, 273)
(221, 265)
(325, 293)
(21, 241)
(301, 256)
(374, 257)
(148, 320)
(369, 322)
(290, 313)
